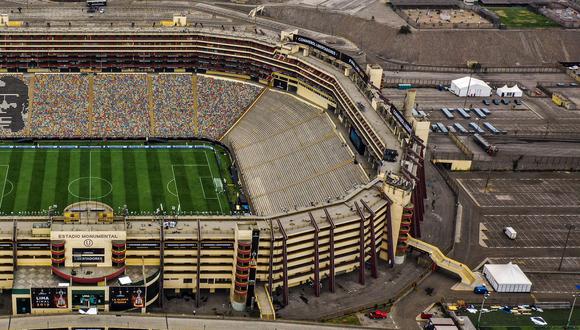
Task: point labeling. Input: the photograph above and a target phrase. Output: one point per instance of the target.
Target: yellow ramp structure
(264, 301)
(441, 260)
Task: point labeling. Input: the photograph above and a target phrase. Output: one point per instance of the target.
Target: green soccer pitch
(192, 181)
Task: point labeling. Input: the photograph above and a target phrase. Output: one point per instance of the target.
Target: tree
(405, 29)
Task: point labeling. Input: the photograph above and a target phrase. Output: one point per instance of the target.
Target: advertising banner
(88, 298)
(88, 259)
(127, 297)
(49, 297)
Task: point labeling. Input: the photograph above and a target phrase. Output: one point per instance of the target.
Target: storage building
(506, 91)
(507, 278)
(470, 86)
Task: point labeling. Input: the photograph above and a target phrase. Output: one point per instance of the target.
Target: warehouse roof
(507, 274)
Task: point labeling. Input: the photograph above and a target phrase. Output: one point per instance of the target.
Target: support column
(198, 274)
(374, 273)
(161, 262)
(14, 247)
(415, 223)
(331, 282)
(389, 231)
(285, 291)
(316, 256)
(361, 248)
(271, 261)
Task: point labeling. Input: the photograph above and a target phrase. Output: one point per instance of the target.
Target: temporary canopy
(506, 91)
(507, 278)
(469, 86)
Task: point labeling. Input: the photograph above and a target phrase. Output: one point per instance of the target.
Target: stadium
(133, 165)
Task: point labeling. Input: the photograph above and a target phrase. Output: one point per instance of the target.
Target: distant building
(469, 86)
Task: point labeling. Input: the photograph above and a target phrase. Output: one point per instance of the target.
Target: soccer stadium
(136, 165)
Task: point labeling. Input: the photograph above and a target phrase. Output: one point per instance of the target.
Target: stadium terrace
(196, 161)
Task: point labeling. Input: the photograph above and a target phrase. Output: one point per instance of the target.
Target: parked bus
(96, 3)
(447, 113)
(460, 128)
(476, 128)
(491, 128)
(463, 113)
(486, 146)
(479, 113)
(442, 128)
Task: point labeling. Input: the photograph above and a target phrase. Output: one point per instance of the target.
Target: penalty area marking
(203, 190)
(11, 188)
(4, 185)
(175, 185)
(200, 181)
(212, 177)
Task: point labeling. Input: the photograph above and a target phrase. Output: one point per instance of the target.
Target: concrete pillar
(410, 102)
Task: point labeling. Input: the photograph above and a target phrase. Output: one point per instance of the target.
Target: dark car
(91, 10)
(518, 102)
(486, 102)
(504, 101)
(495, 101)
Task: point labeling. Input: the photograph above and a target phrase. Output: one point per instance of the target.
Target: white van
(510, 232)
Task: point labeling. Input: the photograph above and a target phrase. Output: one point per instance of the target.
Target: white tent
(467, 86)
(506, 91)
(507, 278)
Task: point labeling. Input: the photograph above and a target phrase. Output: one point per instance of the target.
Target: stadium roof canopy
(424, 3)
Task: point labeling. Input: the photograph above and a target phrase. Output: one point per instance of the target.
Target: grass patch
(522, 17)
(350, 319)
(143, 179)
(498, 320)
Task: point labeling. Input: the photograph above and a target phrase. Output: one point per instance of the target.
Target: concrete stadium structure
(62, 263)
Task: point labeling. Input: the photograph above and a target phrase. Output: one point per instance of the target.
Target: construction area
(445, 18)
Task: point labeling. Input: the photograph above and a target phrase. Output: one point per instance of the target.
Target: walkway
(151, 322)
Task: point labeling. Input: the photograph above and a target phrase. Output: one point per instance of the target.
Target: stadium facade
(83, 258)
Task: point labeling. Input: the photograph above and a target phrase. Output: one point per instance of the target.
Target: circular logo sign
(88, 243)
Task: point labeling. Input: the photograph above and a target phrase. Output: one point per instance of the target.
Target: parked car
(486, 102)
(504, 101)
(510, 232)
(378, 315)
(480, 289)
(518, 102)
(495, 101)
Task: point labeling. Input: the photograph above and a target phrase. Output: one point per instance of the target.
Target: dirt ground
(434, 47)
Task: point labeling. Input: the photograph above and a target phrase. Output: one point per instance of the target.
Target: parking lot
(553, 283)
(506, 192)
(535, 264)
(533, 231)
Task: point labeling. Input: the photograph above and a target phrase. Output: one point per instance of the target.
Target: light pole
(571, 311)
(570, 227)
(485, 296)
